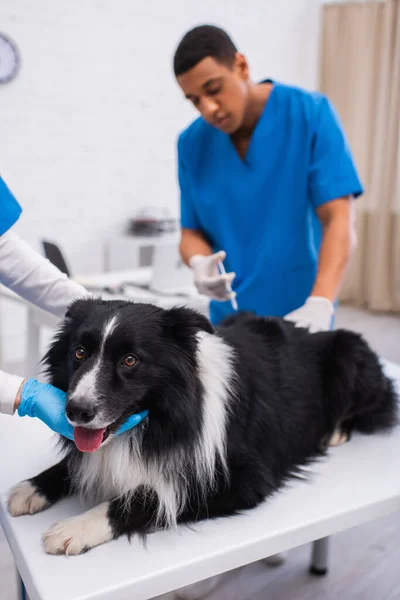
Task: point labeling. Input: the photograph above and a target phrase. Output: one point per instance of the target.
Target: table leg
(21, 591)
(319, 557)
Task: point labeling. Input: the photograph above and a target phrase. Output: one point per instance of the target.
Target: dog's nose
(80, 412)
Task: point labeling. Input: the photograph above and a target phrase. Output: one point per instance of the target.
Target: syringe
(228, 286)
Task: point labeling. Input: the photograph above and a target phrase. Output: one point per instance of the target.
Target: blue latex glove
(47, 403)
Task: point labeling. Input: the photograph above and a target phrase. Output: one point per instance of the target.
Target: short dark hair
(200, 42)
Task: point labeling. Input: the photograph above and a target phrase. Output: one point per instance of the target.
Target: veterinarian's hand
(315, 315)
(47, 403)
(132, 421)
(207, 278)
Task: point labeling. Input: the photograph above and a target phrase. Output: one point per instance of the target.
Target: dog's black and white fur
(233, 413)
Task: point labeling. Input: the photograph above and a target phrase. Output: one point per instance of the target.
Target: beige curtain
(360, 73)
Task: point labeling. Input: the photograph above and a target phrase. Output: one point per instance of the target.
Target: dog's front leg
(135, 514)
(109, 520)
(40, 492)
(79, 534)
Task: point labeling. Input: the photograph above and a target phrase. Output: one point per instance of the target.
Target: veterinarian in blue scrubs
(33, 277)
(267, 183)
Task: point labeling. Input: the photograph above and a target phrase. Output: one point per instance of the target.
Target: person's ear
(241, 66)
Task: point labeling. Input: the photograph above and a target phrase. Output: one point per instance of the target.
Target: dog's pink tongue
(88, 440)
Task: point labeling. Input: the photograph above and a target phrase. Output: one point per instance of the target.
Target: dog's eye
(129, 360)
(80, 353)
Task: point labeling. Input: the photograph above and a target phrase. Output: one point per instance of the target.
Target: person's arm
(192, 243)
(333, 185)
(10, 392)
(338, 242)
(32, 276)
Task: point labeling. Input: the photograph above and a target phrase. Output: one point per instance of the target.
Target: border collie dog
(232, 414)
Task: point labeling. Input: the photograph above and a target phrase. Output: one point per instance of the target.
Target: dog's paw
(24, 499)
(79, 534)
(338, 438)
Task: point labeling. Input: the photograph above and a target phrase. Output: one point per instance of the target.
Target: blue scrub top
(262, 210)
(10, 210)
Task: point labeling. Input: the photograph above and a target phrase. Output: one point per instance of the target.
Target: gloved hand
(47, 403)
(207, 278)
(316, 314)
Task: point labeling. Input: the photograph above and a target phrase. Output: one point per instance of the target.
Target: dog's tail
(374, 402)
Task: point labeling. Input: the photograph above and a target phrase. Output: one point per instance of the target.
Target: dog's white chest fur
(115, 470)
(118, 469)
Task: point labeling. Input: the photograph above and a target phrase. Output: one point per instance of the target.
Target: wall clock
(9, 59)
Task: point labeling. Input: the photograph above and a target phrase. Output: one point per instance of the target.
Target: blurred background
(88, 125)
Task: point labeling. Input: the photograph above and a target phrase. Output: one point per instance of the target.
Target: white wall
(88, 129)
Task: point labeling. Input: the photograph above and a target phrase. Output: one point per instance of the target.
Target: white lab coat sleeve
(34, 277)
(9, 386)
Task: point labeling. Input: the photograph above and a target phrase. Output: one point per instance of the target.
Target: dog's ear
(79, 309)
(182, 321)
(55, 362)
